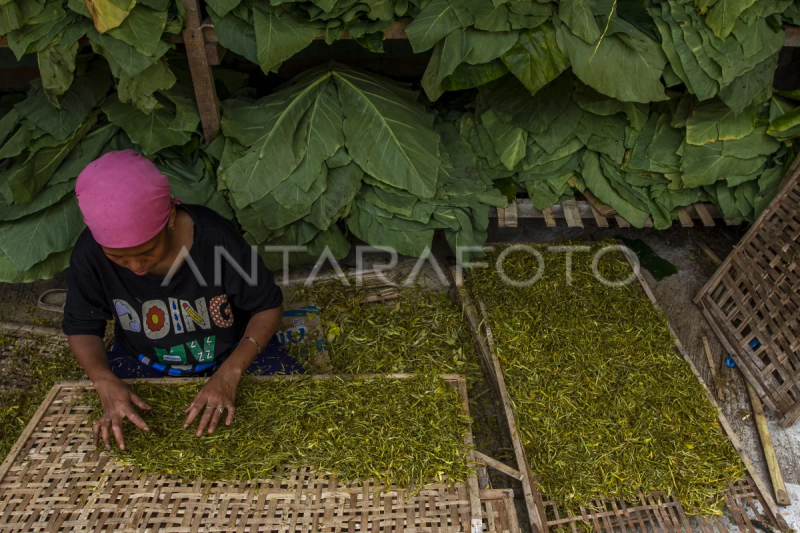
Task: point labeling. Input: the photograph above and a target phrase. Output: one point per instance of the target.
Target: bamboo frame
(536, 507)
(497, 502)
(754, 284)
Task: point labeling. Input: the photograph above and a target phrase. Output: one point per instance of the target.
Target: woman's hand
(218, 395)
(118, 404)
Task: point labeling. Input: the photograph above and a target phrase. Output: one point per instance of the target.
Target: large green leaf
(343, 185)
(377, 231)
(616, 69)
(536, 59)
(151, 131)
(76, 104)
(57, 69)
(274, 156)
(27, 179)
(532, 113)
(597, 182)
(30, 240)
(560, 130)
(379, 121)
(323, 137)
(108, 14)
(577, 14)
(45, 198)
(468, 76)
(509, 141)
(83, 154)
(236, 35)
(741, 92)
(279, 37)
(714, 121)
(138, 90)
(704, 165)
(431, 25)
(141, 29)
(463, 46)
(124, 57)
(722, 17)
(46, 269)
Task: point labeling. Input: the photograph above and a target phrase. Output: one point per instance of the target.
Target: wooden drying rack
(103, 494)
(575, 211)
(658, 511)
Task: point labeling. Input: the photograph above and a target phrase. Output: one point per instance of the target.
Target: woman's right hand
(118, 404)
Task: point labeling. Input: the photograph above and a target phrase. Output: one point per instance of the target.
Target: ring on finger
(221, 409)
(209, 406)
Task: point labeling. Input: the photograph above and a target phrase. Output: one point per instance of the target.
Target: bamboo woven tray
(55, 479)
(748, 501)
(753, 305)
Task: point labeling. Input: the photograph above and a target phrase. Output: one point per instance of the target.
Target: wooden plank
(549, 220)
(771, 508)
(732, 222)
(605, 210)
(472, 480)
(714, 378)
(497, 465)
(622, 222)
(215, 52)
(649, 222)
(571, 213)
(598, 217)
(704, 215)
(792, 36)
(202, 78)
(781, 495)
(684, 218)
(511, 214)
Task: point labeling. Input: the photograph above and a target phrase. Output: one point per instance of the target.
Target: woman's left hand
(218, 395)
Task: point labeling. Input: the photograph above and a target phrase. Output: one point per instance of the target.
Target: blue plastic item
(755, 343)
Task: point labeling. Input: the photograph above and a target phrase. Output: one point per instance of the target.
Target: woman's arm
(117, 399)
(219, 393)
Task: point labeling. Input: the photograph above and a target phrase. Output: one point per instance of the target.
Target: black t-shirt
(189, 324)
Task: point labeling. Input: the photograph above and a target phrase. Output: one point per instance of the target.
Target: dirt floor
(674, 293)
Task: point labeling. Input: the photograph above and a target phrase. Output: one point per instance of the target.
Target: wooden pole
(202, 78)
(781, 495)
(714, 378)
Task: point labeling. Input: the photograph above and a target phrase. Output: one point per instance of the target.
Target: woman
(188, 295)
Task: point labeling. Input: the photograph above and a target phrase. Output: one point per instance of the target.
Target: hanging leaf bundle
(339, 143)
(133, 36)
(269, 33)
(724, 48)
(642, 160)
(45, 148)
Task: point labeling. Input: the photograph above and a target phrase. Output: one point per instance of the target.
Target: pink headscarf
(124, 198)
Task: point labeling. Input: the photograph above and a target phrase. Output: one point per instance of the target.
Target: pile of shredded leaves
(29, 368)
(405, 432)
(604, 403)
(419, 331)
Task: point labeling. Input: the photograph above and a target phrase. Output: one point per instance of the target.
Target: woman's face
(143, 259)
